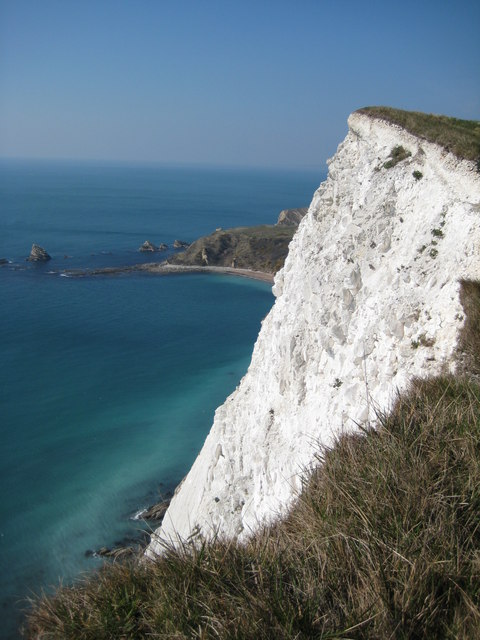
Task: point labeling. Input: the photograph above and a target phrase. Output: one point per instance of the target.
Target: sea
(109, 384)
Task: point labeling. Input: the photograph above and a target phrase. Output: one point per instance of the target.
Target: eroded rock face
(38, 254)
(368, 298)
(292, 217)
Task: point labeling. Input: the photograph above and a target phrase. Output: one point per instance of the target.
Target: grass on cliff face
(461, 137)
(383, 542)
(468, 354)
(397, 154)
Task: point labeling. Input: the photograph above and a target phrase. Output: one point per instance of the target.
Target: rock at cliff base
(38, 254)
(156, 512)
(180, 244)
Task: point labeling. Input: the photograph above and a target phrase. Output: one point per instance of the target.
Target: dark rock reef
(38, 254)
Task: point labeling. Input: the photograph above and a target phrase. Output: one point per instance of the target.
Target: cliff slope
(368, 298)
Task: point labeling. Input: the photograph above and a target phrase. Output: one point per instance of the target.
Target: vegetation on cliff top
(461, 137)
(383, 542)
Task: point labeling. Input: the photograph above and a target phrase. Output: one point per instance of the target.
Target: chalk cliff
(367, 299)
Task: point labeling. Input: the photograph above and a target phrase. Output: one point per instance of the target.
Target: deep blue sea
(108, 385)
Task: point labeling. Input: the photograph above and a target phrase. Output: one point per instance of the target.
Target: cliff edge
(367, 300)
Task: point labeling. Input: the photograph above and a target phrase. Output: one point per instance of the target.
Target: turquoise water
(108, 385)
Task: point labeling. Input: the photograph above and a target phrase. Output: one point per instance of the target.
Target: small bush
(397, 154)
(422, 341)
(417, 175)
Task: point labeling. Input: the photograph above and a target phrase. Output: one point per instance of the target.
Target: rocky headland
(368, 299)
(260, 248)
(253, 252)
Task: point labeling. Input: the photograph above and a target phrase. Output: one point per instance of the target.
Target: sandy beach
(163, 269)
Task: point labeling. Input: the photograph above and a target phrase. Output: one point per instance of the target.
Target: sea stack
(149, 246)
(180, 244)
(38, 254)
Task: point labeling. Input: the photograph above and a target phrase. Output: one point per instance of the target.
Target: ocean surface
(108, 385)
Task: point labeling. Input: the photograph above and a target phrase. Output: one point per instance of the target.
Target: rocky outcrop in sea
(38, 254)
(148, 246)
(180, 244)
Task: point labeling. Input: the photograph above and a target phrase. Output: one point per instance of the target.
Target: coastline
(163, 269)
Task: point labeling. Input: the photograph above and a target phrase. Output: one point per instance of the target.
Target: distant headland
(256, 252)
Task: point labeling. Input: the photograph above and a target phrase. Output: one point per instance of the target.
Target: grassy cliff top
(461, 137)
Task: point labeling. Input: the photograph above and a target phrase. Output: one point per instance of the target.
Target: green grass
(397, 154)
(461, 137)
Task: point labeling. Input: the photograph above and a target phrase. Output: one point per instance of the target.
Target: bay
(108, 385)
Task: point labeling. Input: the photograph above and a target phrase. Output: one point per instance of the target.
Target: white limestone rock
(364, 302)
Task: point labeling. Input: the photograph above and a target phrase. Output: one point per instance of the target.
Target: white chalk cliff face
(368, 298)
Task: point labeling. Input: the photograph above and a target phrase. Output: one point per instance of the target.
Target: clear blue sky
(243, 82)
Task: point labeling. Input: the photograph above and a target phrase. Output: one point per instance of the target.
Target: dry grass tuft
(468, 352)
